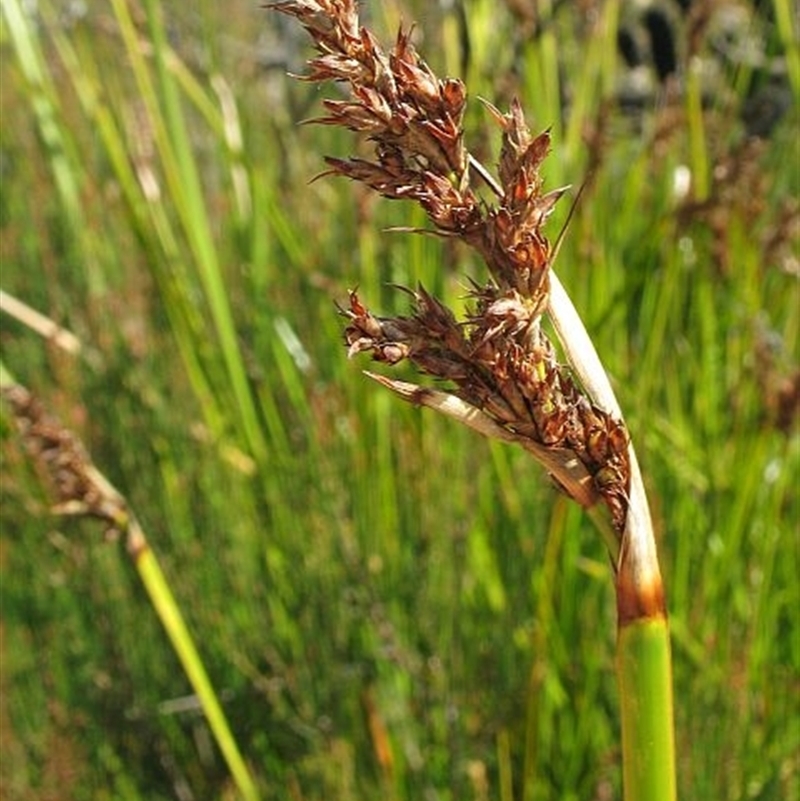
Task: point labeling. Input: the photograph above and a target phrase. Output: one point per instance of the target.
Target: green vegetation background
(389, 607)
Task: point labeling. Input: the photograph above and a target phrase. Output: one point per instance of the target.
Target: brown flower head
(498, 360)
(77, 486)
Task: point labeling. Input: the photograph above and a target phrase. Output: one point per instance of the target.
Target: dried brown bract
(498, 360)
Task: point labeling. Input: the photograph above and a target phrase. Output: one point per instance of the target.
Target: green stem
(645, 684)
(170, 615)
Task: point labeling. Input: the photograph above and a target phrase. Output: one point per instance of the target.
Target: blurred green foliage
(389, 606)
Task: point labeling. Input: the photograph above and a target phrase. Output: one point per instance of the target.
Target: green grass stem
(645, 686)
(787, 22)
(169, 614)
(198, 227)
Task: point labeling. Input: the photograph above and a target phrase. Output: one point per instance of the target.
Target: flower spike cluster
(78, 487)
(498, 360)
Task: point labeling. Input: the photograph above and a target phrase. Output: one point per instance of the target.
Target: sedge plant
(497, 370)
(78, 488)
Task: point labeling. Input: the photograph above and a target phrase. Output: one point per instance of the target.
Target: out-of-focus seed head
(77, 486)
